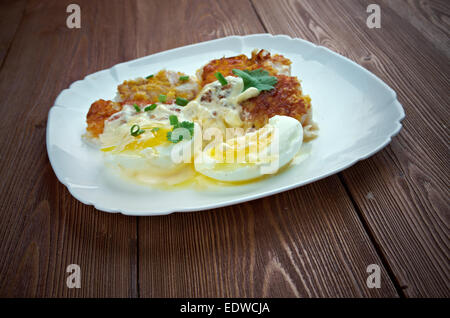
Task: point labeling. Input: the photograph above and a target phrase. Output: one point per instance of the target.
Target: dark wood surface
(391, 209)
(402, 192)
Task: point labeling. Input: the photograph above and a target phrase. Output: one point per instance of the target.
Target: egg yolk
(241, 153)
(159, 137)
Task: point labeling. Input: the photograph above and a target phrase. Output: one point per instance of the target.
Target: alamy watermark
(374, 279)
(374, 19)
(74, 279)
(260, 147)
(73, 21)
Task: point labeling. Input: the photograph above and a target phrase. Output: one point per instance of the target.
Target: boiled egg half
(253, 154)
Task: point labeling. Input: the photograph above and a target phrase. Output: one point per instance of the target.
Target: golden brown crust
(100, 111)
(142, 92)
(164, 83)
(260, 59)
(285, 99)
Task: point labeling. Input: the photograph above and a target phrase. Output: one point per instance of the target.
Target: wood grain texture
(293, 244)
(288, 245)
(402, 192)
(42, 228)
(430, 18)
(11, 13)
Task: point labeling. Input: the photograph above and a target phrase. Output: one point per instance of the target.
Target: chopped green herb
(150, 76)
(221, 78)
(176, 124)
(136, 130)
(173, 120)
(189, 126)
(151, 107)
(155, 129)
(138, 109)
(162, 98)
(181, 101)
(257, 78)
(184, 78)
(169, 137)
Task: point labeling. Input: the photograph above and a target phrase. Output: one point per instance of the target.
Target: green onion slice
(138, 109)
(181, 101)
(221, 78)
(162, 98)
(184, 78)
(173, 120)
(150, 76)
(151, 107)
(136, 130)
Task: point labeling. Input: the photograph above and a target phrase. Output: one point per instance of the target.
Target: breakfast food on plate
(285, 99)
(141, 91)
(275, 65)
(290, 136)
(238, 119)
(172, 84)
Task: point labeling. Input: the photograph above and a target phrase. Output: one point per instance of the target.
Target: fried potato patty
(168, 83)
(276, 64)
(100, 111)
(141, 91)
(285, 99)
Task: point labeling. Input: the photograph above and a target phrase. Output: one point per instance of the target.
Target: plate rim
(392, 101)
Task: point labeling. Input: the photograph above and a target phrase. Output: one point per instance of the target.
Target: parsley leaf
(257, 78)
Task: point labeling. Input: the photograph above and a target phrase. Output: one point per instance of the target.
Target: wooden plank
(430, 18)
(402, 192)
(43, 228)
(289, 245)
(11, 12)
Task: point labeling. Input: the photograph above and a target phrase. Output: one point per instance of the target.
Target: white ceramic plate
(357, 114)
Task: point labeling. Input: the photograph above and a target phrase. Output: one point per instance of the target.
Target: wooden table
(315, 241)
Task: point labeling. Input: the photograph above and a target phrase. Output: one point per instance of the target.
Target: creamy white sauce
(219, 106)
(216, 106)
(117, 128)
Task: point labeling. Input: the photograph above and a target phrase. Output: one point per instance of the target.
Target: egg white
(148, 157)
(152, 159)
(276, 145)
